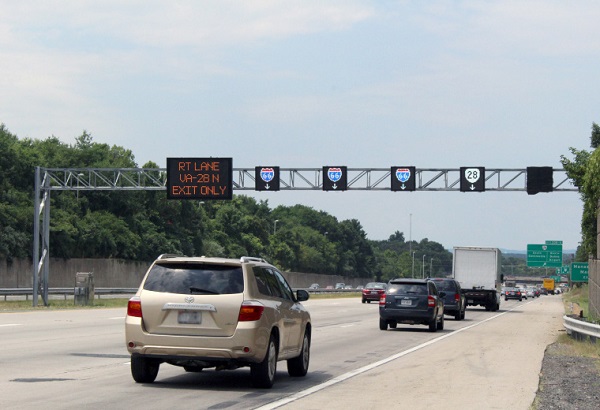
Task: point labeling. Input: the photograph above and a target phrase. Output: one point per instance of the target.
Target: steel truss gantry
(291, 179)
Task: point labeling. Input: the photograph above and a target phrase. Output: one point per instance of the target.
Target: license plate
(373, 292)
(470, 301)
(406, 302)
(189, 318)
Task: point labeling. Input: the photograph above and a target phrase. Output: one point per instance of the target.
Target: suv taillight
(250, 311)
(134, 307)
(430, 301)
(382, 301)
(456, 297)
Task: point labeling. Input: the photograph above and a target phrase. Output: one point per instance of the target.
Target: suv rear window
(408, 288)
(195, 279)
(445, 285)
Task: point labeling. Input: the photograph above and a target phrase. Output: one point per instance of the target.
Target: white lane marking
(371, 366)
(350, 325)
(11, 324)
(117, 318)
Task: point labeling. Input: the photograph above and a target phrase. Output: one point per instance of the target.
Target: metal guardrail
(27, 292)
(98, 292)
(581, 327)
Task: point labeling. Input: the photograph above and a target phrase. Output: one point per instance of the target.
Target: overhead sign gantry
(215, 178)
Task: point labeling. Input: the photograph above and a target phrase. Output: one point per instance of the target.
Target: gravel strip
(568, 381)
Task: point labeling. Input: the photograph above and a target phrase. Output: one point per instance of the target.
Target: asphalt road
(77, 359)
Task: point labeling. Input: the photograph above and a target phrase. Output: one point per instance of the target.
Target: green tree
(584, 171)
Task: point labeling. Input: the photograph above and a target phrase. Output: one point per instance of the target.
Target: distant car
(523, 292)
(373, 292)
(454, 300)
(340, 285)
(543, 291)
(360, 287)
(348, 287)
(198, 312)
(513, 293)
(413, 302)
(530, 292)
(314, 286)
(329, 287)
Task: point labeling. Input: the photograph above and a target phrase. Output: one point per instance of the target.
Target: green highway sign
(579, 272)
(544, 256)
(554, 243)
(563, 270)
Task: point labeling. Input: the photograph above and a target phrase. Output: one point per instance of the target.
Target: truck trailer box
(478, 270)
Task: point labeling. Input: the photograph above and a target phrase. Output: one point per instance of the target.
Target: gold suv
(199, 312)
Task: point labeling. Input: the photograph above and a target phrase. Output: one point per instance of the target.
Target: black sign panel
(199, 178)
(403, 179)
(539, 179)
(266, 178)
(472, 179)
(335, 178)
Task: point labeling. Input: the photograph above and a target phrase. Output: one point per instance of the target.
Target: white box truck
(477, 269)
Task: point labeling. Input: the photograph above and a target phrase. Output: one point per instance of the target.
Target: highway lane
(77, 358)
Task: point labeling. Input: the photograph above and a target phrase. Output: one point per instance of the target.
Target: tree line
(140, 225)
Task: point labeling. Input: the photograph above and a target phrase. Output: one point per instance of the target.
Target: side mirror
(302, 295)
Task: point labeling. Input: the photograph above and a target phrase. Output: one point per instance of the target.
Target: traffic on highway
(78, 358)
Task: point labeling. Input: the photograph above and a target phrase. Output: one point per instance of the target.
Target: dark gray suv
(413, 302)
(454, 300)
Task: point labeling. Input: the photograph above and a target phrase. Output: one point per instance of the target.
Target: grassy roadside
(574, 301)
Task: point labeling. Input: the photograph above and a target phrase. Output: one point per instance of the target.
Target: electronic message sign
(539, 179)
(472, 179)
(199, 178)
(335, 178)
(403, 179)
(267, 178)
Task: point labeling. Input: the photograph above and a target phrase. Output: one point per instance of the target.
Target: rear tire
(144, 370)
(263, 373)
(382, 324)
(298, 366)
(433, 325)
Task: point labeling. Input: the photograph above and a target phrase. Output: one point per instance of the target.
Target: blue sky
(435, 84)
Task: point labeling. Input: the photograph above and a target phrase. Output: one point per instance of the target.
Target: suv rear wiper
(198, 290)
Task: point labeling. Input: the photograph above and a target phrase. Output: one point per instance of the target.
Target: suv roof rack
(169, 255)
(244, 259)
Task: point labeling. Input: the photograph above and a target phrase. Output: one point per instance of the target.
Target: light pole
(79, 175)
(413, 264)
(430, 267)
(423, 276)
(410, 233)
(275, 226)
